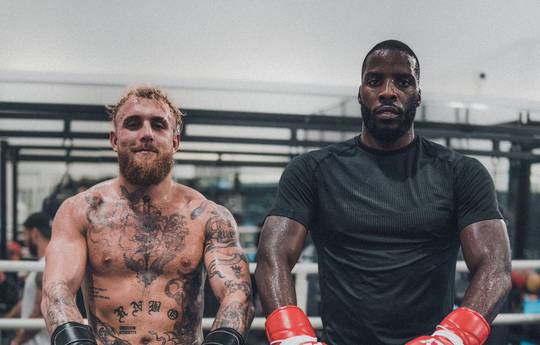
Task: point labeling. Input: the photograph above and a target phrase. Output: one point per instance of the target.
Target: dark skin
(388, 79)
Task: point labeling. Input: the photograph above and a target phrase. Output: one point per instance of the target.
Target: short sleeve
(297, 191)
(474, 193)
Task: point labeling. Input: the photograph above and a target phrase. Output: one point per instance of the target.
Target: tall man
(388, 211)
(142, 245)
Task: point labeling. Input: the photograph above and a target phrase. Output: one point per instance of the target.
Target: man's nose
(388, 92)
(147, 133)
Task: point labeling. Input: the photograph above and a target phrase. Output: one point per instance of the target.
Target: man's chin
(387, 134)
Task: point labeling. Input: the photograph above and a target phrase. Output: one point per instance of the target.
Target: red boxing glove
(290, 326)
(463, 326)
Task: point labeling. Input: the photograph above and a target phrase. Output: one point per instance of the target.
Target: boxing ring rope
(301, 270)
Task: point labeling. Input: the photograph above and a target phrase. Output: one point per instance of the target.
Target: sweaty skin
(142, 254)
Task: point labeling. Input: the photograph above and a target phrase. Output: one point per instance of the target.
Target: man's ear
(176, 141)
(113, 139)
(360, 94)
(419, 101)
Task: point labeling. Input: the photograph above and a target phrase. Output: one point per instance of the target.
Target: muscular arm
(280, 246)
(65, 266)
(486, 251)
(228, 271)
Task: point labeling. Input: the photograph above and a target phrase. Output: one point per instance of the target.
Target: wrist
(224, 336)
(287, 322)
(73, 333)
(467, 324)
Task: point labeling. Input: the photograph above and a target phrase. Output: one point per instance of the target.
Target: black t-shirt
(386, 226)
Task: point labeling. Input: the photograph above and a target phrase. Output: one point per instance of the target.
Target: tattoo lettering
(154, 307)
(136, 306)
(120, 313)
(172, 314)
(98, 293)
(105, 333)
(127, 330)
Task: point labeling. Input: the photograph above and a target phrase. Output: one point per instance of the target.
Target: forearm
(275, 284)
(487, 290)
(235, 313)
(59, 306)
(14, 312)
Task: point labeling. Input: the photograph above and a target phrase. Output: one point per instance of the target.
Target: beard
(144, 172)
(384, 131)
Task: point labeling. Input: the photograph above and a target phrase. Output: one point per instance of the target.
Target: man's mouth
(387, 112)
(146, 150)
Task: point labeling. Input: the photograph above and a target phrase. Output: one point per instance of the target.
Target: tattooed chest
(141, 239)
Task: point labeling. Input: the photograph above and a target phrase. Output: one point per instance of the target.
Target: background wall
(297, 56)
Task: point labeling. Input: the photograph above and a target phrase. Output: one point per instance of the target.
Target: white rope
(258, 322)
(303, 267)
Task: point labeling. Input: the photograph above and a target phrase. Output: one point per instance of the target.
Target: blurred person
(388, 211)
(141, 245)
(37, 232)
(9, 284)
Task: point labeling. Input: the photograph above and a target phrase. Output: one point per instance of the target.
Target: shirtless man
(141, 245)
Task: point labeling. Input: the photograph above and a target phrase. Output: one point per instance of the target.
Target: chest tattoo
(147, 238)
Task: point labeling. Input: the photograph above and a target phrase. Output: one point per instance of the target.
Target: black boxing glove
(73, 333)
(224, 336)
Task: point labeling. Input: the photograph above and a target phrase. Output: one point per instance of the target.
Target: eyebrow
(379, 74)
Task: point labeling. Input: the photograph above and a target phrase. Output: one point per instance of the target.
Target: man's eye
(132, 124)
(159, 125)
(372, 82)
(404, 82)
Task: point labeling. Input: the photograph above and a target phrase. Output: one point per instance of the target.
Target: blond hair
(148, 92)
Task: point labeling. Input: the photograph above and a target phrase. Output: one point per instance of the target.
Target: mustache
(388, 108)
(150, 148)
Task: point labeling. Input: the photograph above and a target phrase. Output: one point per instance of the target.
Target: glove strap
(224, 336)
(73, 333)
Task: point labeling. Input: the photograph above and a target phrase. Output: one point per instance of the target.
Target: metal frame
(522, 136)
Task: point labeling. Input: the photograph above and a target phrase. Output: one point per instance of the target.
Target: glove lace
(445, 332)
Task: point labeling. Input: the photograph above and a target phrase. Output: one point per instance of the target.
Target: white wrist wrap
(448, 334)
(297, 340)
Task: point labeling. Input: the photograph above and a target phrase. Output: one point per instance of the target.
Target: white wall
(296, 56)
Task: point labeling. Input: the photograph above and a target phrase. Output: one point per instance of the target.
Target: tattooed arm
(228, 271)
(65, 265)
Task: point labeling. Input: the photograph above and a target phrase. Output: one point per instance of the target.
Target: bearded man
(142, 245)
(388, 211)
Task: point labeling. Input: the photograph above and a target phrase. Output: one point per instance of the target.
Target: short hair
(397, 46)
(40, 221)
(148, 92)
